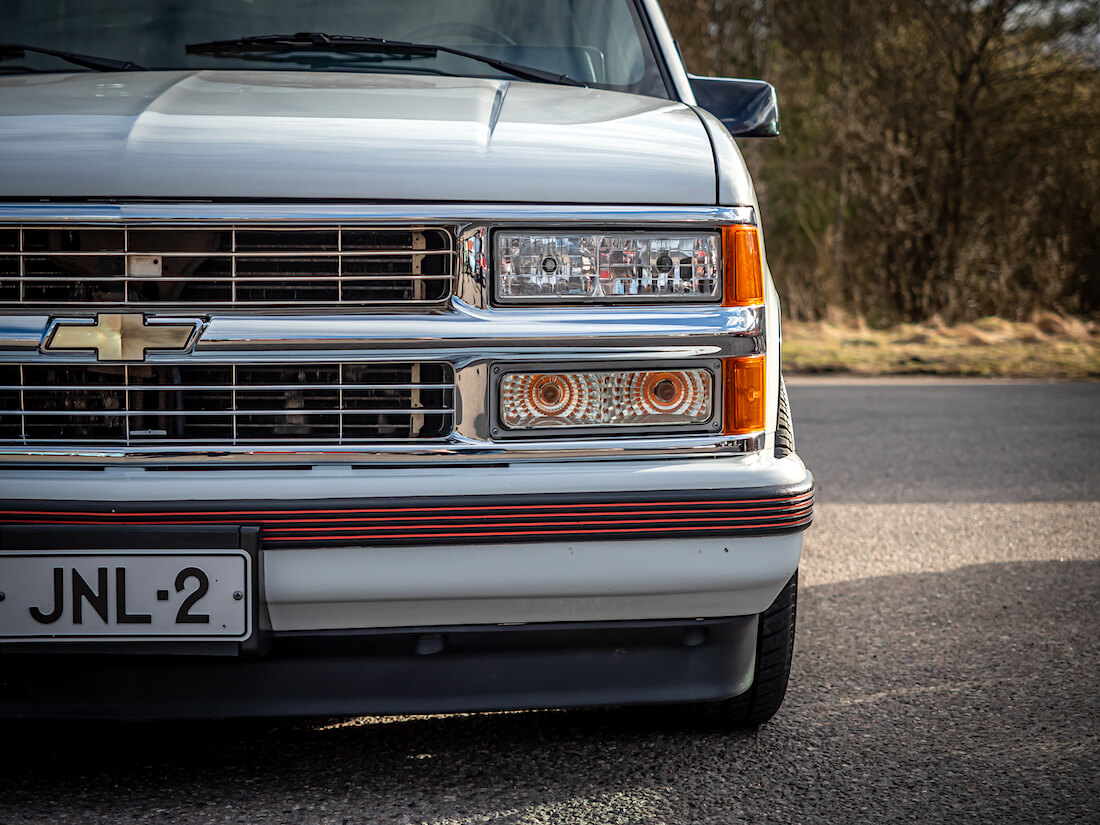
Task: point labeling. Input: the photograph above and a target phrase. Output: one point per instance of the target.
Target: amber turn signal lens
(744, 270)
(743, 386)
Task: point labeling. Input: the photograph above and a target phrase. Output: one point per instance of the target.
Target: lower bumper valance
(421, 670)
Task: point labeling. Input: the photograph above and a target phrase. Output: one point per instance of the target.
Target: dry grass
(1047, 346)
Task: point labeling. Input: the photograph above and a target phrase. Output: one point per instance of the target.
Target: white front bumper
(317, 588)
(352, 587)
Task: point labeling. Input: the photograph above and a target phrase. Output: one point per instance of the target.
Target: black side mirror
(748, 108)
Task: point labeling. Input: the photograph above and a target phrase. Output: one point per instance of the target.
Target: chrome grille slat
(196, 307)
(126, 395)
(269, 254)
(227, 410)
(22, 269)
(233, 293)
(227, 387)
(196, 267)
(167, 280)
(125, 289)
(141, 441)
(22, 404)
(272, 253)
(84, 403)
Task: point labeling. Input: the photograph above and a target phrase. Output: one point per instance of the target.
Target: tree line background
(938, 157)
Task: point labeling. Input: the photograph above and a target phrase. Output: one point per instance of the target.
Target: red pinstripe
(410, 509)
(779, 523)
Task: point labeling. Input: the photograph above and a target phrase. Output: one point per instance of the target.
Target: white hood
(306, 135)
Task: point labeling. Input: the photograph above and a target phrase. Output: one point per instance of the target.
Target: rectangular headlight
(530, 400)
(608, 267)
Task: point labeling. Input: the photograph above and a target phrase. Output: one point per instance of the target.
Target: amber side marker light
(743, 388)
(743, 283)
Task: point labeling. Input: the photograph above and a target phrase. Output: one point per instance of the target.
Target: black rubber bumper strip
(461, 519)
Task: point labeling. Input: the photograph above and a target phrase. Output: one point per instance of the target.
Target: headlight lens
(608, 267)
(606, 399)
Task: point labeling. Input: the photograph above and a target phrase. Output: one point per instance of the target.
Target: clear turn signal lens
(743, 380)
(607, 267)
(606, 399)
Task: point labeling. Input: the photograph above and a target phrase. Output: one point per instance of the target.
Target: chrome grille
(228, 404)
(225, 266)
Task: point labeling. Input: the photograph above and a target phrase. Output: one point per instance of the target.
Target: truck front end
(344, 390)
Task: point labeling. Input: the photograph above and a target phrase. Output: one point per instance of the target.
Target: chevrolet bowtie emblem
(120, 337)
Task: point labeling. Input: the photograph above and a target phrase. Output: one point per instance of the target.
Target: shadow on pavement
(966, 696)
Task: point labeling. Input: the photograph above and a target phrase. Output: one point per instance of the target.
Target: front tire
(784, 427)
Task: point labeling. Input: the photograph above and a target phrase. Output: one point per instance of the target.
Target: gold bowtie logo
(120, 337)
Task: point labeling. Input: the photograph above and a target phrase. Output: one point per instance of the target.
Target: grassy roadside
(1048, 346)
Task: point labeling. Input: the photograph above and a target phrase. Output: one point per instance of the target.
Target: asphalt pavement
(947, 667)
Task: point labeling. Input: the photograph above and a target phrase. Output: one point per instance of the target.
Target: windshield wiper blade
(88, 61)
(319, 41)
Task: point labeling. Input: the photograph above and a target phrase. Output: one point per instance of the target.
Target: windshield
(598, 42)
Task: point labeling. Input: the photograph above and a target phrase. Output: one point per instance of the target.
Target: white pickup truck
(403, 356)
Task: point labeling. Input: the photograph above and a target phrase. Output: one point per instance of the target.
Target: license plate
(146, 595)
